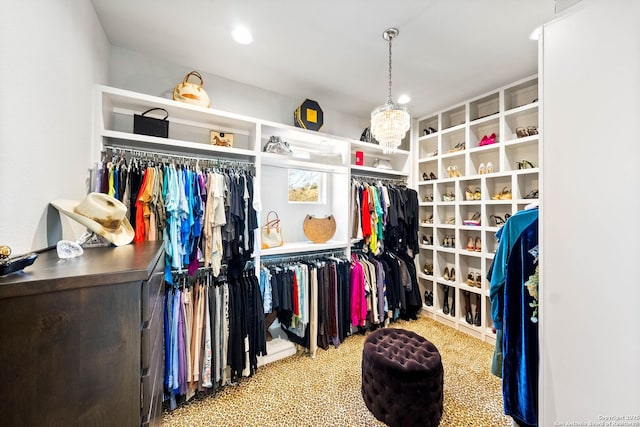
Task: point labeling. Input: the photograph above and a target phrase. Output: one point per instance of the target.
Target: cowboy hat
(102, 214)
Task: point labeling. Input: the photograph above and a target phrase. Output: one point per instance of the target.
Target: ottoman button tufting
(410, 370)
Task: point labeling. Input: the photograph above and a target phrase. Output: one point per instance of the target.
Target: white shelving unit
(500, 112)
(189, 126)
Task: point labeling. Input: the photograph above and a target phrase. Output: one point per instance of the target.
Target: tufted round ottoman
(402, 378)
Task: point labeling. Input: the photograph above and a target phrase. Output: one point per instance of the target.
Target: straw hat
(102, 214)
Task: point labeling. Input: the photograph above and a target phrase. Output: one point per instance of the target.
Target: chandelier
(389, 122)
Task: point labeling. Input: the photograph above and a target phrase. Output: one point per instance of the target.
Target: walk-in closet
(274, 213)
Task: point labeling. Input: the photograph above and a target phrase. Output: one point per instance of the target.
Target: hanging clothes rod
(275, 259)
(371, 178)
(159, 154)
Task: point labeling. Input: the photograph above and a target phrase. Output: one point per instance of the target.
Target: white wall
(141, 73)
(52, 52)
(590, 361)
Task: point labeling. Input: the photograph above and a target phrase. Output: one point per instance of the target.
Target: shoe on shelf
(451, 220)
(458, 147)
(478, 280)
(432, 176)
(489, 167)
(467, 308)
(430, 220)
(482, 169)
(532, 130)
(428, 197)
(445, 274)
(471, 281)
(429, 130)
(452, 274)
(487, 140)
(505, 194)
(521, 132)
(474, 220)
(470, 246)
(468, 194)
(476, 318)
(496, 220)
(445, 305)
(425, 177)
(453, 307)
(428, 298)
(533, 194)
(525, 164)
(478, 245)
(428, 269)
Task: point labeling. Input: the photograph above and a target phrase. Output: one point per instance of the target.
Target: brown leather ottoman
(402, 378)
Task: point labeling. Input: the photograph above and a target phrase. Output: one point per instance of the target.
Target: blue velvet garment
(520, 332)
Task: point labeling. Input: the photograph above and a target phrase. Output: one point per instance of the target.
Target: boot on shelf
(445, 306)
(467, 306)
(476, 318)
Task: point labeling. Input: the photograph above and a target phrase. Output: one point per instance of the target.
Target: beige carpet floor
(325, 391)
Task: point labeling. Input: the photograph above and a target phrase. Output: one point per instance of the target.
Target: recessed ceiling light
(242, 35)
(404, 99)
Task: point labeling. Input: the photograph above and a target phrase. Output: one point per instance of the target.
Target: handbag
(382, 164)
(277, 145)
(191, 93)
(145, 125)
(271, 232)
(319, 230)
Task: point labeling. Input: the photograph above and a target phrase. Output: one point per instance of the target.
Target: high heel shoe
(489, 167)
(445, 305)
(478, 281)
(470, 246)
(525, 164)
(432, 176)
(469, 194)
(532, 130)
(471, 281)
(474, 220)
(497, 220)
(481, 169)
(467, 307)
(425, 177)
(452, 274)
(453, 307)
(505, 194)
(533, 194)
(476, 318)
(477, 195)
(478, 245)
(445, 274)
(458, 147)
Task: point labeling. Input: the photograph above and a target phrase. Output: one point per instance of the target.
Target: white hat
(102, 214)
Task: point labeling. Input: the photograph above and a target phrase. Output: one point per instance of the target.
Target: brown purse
(319, 230)
(191, 93)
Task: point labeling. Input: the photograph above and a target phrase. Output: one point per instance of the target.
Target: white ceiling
(333, 50)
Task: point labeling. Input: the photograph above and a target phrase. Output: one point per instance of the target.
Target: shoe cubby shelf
(476, 164)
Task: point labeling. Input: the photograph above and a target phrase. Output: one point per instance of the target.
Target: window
(305, 186)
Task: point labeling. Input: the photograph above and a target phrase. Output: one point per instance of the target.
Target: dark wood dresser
(81, 339)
